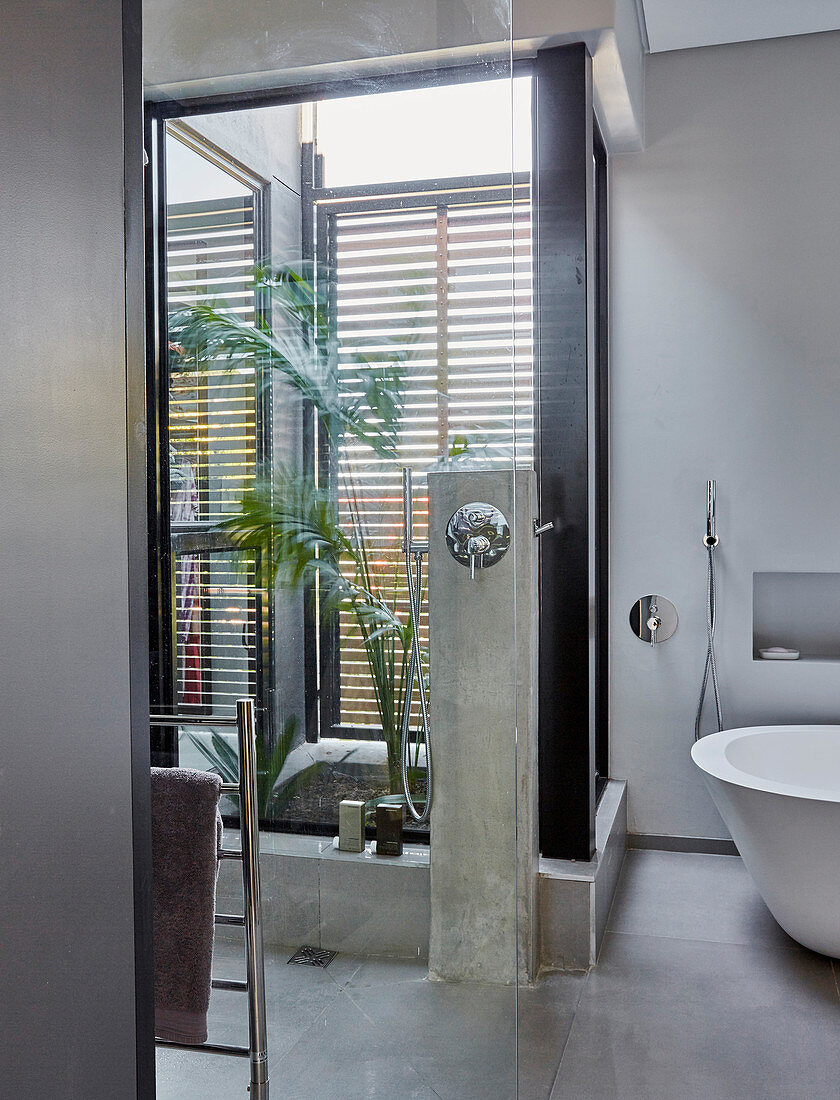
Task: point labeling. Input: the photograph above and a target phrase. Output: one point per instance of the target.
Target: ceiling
(684, 24)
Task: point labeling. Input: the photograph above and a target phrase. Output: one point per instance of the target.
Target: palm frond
(294, 522)
(221, 756)
(302, 349)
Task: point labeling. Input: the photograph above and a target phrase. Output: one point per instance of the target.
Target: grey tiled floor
(697, 995)
(369, 1028)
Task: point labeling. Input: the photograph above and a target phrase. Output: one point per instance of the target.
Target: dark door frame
(136, 456)
(571, 420)
(602, 465)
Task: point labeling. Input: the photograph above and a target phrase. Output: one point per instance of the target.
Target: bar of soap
(778, 653)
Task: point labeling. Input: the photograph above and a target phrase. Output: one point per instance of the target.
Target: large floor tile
(374, 973)
(695, 897)
(461, 1039)
(673, 1019)
(546, 1012)
(345, 1054)
(295, 997)
(184, 1075)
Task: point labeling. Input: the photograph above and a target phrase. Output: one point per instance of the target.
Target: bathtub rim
(709, 755)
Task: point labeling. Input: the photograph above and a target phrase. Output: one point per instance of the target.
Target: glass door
(342, 526)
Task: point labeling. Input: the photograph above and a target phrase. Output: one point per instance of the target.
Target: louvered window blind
(443, 280)
(212, 436)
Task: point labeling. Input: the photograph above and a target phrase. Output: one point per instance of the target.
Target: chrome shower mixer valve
(478, 535)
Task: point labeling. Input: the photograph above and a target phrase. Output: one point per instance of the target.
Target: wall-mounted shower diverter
(653, 619)
(477, 535)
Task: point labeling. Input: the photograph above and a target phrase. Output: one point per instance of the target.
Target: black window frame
(162, 544)
(571, 160)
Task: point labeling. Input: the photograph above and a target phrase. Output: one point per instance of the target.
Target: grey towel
(186, 833)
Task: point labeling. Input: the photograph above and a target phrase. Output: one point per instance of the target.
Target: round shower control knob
(478, 535)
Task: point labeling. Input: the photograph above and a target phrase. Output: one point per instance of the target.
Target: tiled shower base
(697, 995)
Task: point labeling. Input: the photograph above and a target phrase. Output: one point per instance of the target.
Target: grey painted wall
(67, 952)
(725, 355)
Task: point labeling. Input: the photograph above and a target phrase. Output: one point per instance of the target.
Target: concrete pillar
(483, 665)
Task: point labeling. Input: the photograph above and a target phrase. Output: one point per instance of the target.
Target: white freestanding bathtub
(778, 790)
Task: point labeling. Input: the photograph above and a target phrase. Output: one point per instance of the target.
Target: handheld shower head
(710, 538)
(408, 510)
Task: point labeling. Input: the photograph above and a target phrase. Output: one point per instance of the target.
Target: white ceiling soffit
(684, 24)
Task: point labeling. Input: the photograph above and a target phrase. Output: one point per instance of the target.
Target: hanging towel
(186, 836)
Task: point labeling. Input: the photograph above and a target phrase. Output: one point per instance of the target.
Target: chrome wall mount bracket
(478, 535)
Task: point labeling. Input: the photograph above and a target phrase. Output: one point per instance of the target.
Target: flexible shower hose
(415, 668)
(710, 671)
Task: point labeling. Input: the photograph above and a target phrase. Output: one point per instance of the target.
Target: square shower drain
(313, 956)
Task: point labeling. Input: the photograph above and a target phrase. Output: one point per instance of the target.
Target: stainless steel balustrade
(249, 855)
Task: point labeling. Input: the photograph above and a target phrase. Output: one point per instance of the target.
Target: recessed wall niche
(797, 611)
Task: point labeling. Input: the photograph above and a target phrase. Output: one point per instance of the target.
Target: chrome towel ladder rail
(249, 856)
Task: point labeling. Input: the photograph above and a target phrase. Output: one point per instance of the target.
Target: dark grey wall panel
(67, 954)
(563, 245)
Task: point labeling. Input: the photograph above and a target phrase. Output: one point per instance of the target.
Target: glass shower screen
(343, 293)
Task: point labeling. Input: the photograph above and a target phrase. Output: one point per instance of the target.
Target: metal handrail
(197, 719)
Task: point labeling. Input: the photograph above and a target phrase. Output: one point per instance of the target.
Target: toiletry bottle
(351, 826)
(390, 820)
